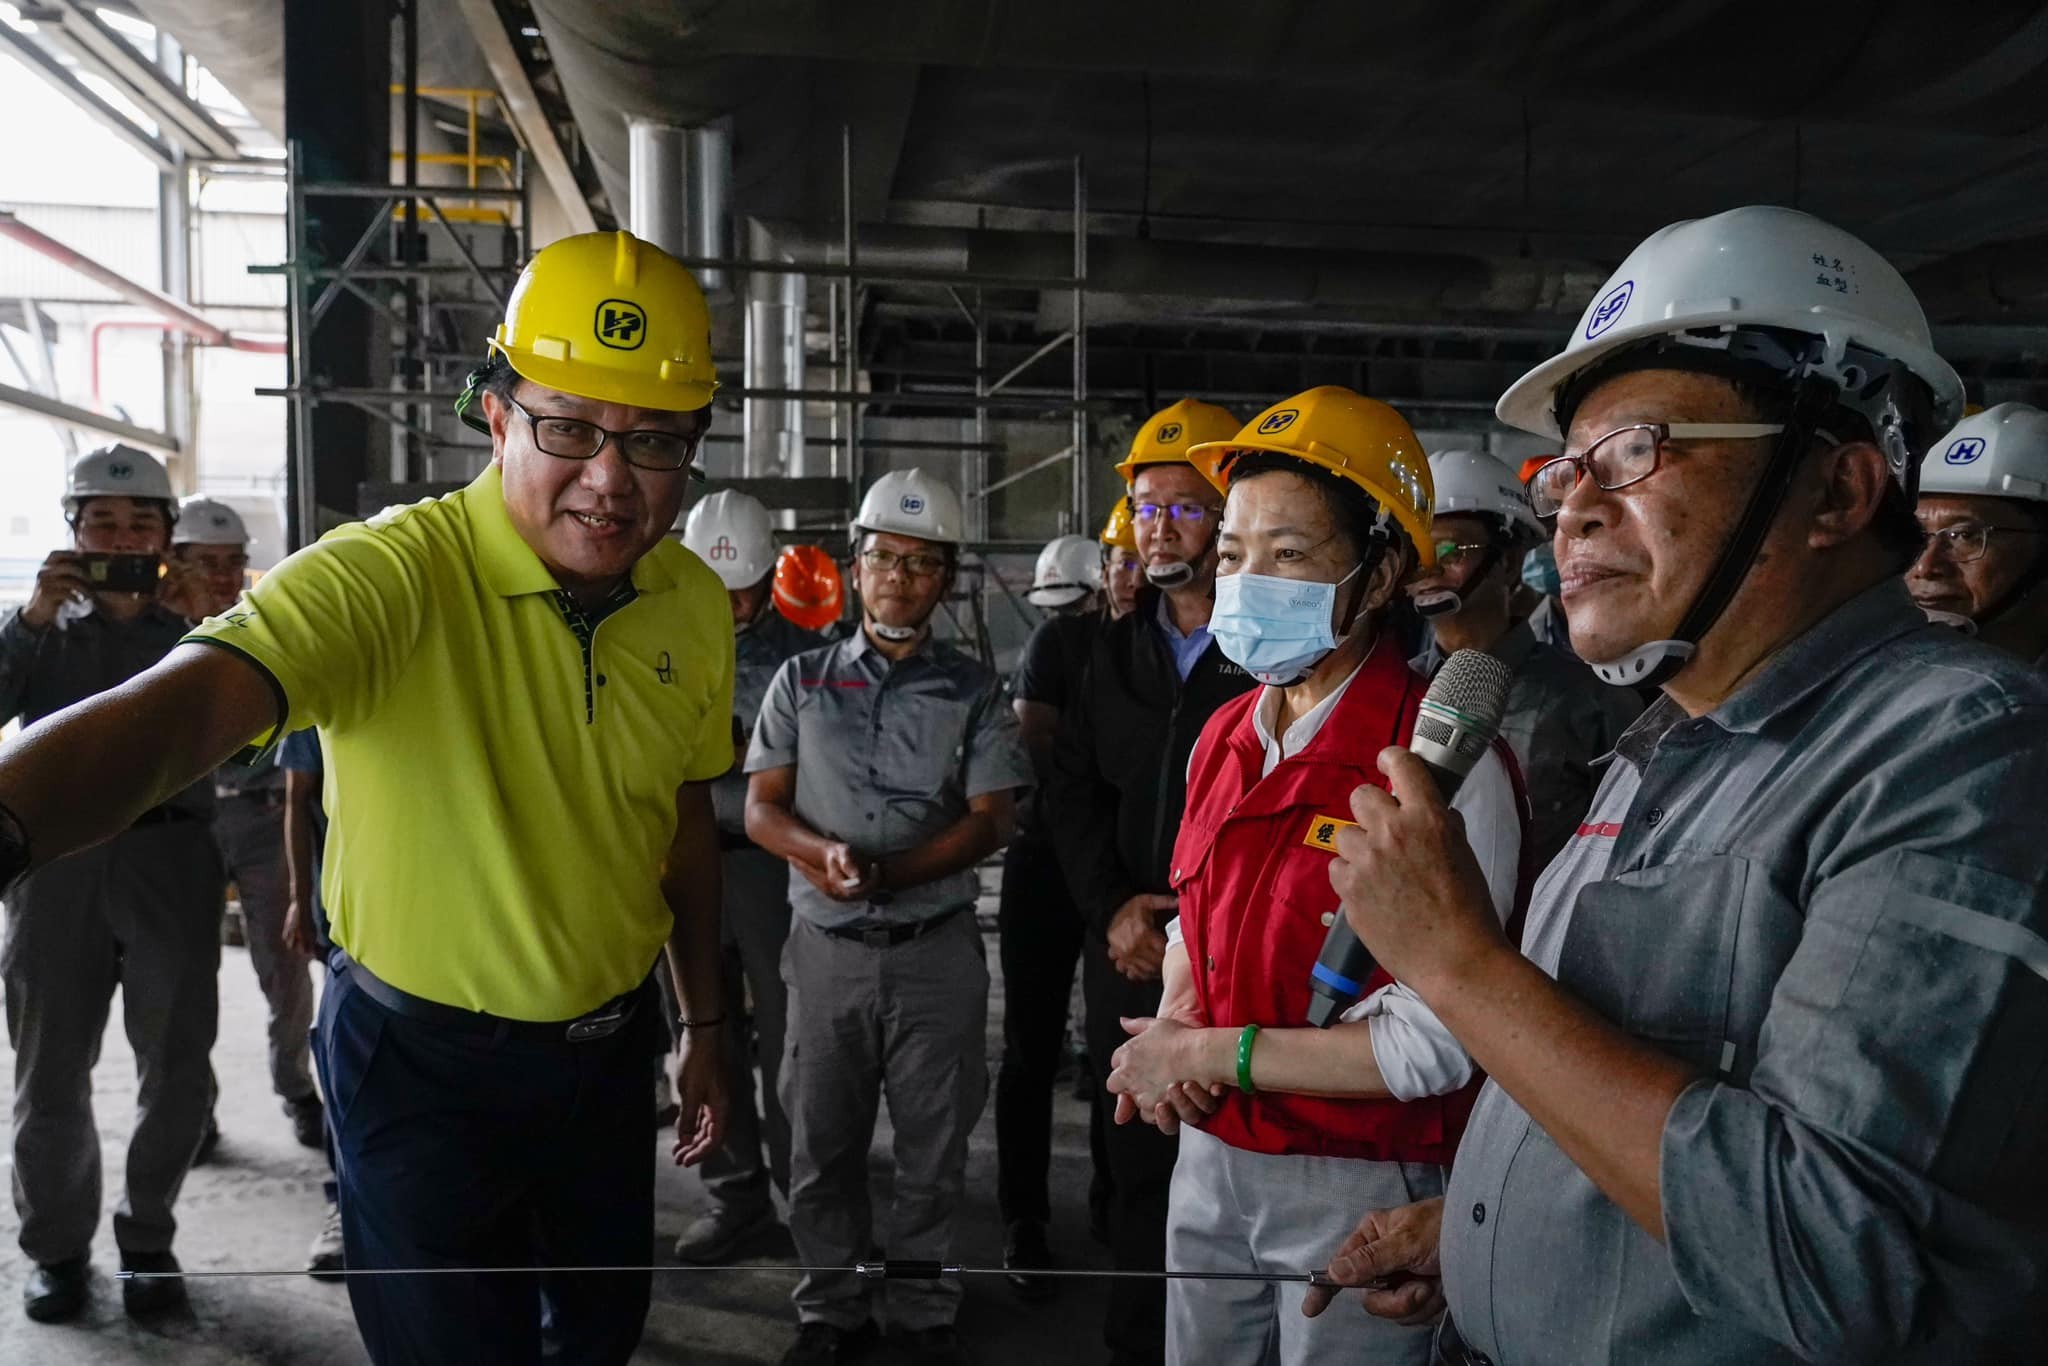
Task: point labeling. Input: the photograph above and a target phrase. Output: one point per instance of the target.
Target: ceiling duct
(680, 191)
(1373, 281)
(774, 441)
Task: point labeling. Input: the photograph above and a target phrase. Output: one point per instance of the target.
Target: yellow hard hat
(1168, 433)
(606, 316)
(1356, 438)
(1120, 532)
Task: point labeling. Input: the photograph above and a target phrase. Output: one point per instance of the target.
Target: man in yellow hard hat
(1112, 800)
(523, 691)
(1123, 569)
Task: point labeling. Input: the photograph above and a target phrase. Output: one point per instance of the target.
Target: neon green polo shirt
(501, 785)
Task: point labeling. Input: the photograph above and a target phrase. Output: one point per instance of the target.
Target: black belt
(163, 815)
(889, 936)
(1452, 1351)
(601, 1023)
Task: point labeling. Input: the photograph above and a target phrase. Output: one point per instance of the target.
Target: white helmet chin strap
(1175, 574)
(1657, 660)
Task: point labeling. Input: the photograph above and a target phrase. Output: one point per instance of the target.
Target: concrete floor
(258, 1203)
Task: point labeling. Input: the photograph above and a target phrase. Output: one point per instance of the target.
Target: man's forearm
(85, 774)
(695, 896)
(1602, 1096)
(298, 841)
(783, 833)
(959, 846)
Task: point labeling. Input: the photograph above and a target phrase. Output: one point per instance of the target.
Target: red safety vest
(1252, 870)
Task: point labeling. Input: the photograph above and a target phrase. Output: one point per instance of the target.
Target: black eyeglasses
(1967, 541)
(1628, 455)
(916, 564)
(571, 438)
(1195, 513)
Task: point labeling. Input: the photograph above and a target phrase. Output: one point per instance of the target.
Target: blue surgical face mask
(1539, 571)
(1277, 630)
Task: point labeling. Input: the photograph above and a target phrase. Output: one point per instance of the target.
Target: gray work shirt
(887, 756)
(43, 672)
(759, 649)
(1560, 719)
(1828, 897)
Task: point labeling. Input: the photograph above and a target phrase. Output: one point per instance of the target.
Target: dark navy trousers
(453, 1149)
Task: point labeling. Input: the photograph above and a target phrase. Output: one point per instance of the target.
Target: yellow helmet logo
(1169, 434)
(1278, 422)
(621, 324)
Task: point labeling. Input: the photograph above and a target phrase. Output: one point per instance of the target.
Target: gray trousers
(141, 911)
(909, 1024)
(1233, 1210)
(756, 923)
(251, 834)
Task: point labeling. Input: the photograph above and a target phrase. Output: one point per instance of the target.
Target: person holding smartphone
(141, 910)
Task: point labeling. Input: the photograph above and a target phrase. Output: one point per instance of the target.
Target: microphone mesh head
(1475, 685)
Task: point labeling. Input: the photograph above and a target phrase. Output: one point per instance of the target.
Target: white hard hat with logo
(2001, 452)
(913, 503)
(203, 521)
(1068, 570)
(1697, 282)
(116, 471)
(731, 532)
(1762, 295)
(1477, 484)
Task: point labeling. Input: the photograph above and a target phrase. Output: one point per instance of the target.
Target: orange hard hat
(808, 587)
(1533, 464)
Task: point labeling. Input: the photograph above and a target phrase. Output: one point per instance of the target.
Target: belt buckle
(586, 1028)
(877, 936)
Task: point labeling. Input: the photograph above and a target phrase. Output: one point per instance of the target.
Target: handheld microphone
(1454, 726)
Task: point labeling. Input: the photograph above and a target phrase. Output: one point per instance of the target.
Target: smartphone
(122, 573)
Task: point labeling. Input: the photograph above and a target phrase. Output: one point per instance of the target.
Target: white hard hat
(2001, 452)
(202, 521)
(730, 531)
(1697, 282)
(116, 471)
(913, 503)
(1068, 570)
(1476, 483)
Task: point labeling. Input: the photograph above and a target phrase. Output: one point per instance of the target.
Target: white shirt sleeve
(1417, 1056)
(1174, 938)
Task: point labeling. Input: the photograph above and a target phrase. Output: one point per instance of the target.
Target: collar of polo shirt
(509, 566)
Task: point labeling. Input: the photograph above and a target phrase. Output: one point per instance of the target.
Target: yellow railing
(473, 161)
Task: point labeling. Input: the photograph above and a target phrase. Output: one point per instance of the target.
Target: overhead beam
(82, 95)
(114, 57)
(523, 107)
(85, 420)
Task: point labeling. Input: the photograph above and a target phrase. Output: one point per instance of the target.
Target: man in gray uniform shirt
(730, 531)
(141, 911)
(1768, 1086)
(883, 768)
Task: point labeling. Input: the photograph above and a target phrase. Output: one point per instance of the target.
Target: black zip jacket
(1113, 799)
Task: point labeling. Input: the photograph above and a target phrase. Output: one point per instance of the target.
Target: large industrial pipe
(679, 182)
(775, 361)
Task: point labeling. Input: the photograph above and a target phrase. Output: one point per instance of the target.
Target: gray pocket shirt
(887, 756)
(1828, 897)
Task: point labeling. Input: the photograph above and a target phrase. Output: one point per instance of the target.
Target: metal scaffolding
(390, 250)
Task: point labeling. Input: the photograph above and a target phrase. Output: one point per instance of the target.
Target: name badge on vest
(1322, 833)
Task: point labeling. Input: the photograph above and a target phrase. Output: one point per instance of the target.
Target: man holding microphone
(1766, 1087)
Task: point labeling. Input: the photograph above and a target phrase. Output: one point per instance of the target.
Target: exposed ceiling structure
(1410, 198)
(1426, 191)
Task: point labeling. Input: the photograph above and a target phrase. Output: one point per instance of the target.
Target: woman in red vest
(1291, 1130)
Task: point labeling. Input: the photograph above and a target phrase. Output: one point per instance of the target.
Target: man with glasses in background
(884, 767)
(1114, 789)
(524, 691)
(1984, 507)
